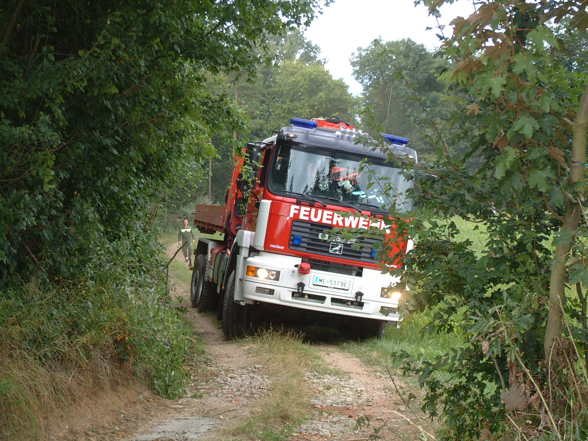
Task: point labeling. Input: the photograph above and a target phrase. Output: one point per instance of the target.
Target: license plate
(330, 282)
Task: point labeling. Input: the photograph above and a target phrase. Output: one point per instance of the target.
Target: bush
(490, 296)
(113, 321)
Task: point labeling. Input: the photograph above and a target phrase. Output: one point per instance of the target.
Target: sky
(344, 27)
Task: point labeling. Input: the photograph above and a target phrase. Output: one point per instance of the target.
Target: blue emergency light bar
(393, 139)
(309, 124)
(305, 123)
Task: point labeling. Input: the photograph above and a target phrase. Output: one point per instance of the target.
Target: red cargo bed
(210, 218)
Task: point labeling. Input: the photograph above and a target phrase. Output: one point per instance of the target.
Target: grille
(332, 267)
(310, 243)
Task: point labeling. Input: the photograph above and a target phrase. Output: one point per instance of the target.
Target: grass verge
(66, 339)
(411, 338)
(288, 404)
(180, 273)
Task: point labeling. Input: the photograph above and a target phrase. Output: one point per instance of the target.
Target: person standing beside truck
(185, 238)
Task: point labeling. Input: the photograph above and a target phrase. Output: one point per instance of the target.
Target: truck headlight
(262, 273)
(393, 294)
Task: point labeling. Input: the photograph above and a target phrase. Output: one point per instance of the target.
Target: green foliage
(292, 47)
(402, 91)
(517, 175)
(295, 84)
(413, 340)
(295, 89)
(467, 394)
(104, 107)
(574, 47)
(112, 318)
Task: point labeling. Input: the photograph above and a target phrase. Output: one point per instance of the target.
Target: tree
(100, 103)
(293, 46)
(105, 105)
(402, 90)
(573, 47)
(524, 117)
(537, 102)
(297, 89)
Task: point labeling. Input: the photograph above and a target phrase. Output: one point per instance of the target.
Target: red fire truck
(290, 199)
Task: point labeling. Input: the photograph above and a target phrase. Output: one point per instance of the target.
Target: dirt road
(231, 392)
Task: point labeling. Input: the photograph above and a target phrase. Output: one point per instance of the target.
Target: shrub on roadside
(495, 384)
(113, 321)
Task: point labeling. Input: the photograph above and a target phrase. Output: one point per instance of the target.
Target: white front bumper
(341, 300)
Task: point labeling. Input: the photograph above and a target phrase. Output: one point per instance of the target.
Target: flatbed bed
(210, 219)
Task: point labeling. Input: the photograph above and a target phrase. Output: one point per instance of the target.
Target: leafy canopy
(402, 90)
(101, 103)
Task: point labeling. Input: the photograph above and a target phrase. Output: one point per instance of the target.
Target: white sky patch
(347, 25)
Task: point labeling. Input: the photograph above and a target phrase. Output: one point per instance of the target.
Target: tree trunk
(567, 231)
(10, 28)
(210, 180)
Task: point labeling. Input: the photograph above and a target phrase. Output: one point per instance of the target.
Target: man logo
(335, 238)
(336, 248)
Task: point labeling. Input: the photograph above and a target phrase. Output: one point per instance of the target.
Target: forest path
(231, 386)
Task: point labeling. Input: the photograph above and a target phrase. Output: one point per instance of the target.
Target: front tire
(234, 315)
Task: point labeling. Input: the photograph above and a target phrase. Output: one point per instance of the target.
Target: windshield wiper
(342, 203)
(300, 197)
(370, 207)
(374, 208)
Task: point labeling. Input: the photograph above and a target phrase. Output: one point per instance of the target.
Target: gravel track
(353, 402)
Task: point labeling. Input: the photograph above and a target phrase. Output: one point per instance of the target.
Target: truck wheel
(234, 315)
(219, 307)
(202, 295)
(370, 328)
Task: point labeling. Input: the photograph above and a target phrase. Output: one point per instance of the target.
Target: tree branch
(583, 321)
(567, 231)
(12, 23)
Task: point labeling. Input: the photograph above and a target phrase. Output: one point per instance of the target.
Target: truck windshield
(337, 177)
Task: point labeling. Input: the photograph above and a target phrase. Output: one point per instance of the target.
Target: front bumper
(323, 291)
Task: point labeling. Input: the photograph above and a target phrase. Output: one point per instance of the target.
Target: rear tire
(202, 295)
(370, 328)
(235, 320)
